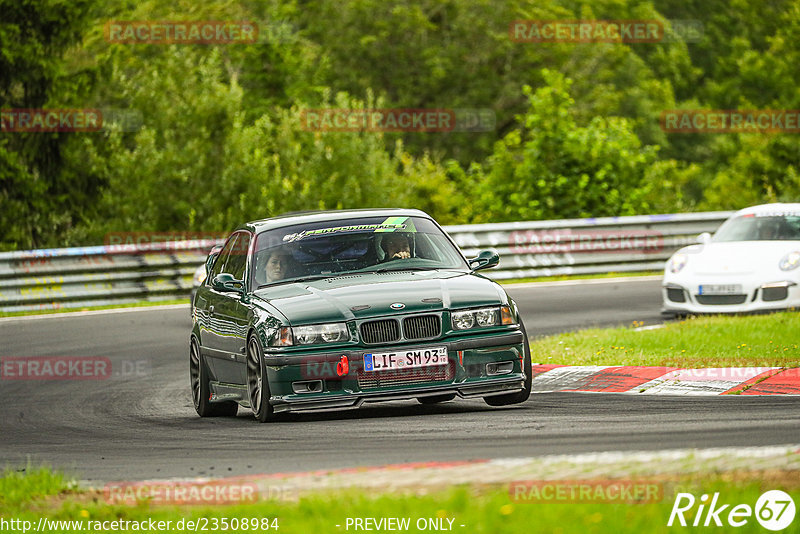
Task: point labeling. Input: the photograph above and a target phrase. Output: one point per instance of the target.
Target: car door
(231, 314)
(208, 304)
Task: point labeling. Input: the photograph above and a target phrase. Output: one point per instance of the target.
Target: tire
(436, 399)
(257, 382)
(520, 396)
(201, 392)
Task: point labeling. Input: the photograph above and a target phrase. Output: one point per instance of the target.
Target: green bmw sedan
(328, 310)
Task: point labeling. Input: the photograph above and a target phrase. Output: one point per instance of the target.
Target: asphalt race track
(553, 307)
(140, 423)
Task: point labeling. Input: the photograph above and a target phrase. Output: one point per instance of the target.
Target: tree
(553, 167)
(40, 196)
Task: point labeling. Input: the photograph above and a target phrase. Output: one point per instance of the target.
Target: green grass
(23, 486)
(480, 509)
(563, 277)
(140, 304)
(709, 341)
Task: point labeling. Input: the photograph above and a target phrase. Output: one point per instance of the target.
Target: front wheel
(257, 382)
(520, 396)
(201, 392)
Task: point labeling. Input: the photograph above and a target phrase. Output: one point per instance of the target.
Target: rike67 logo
(774, 510)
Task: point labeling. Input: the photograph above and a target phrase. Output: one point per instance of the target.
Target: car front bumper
(755, 295)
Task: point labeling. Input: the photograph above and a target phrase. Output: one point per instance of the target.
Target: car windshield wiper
(389, 269)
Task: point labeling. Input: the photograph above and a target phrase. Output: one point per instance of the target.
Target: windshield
(767, 227)
(335, 248)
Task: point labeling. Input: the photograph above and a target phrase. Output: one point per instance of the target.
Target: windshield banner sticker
(382, 227)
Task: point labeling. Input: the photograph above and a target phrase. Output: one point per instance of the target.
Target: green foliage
(40, 194)
(763, 168)
(222, 141)
(555, 167)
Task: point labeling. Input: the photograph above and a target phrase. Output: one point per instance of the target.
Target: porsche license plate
(404, 359)
(720, 289)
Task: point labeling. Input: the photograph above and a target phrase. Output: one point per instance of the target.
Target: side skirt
(222, 392)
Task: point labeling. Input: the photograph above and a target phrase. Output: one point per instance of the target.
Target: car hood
(359, 296)
(739, 257)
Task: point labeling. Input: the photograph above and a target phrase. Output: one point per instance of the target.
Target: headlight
(482, 317)
(486, 317)
(678, 262)
(790, 261)
(463, 320)
(320, 333)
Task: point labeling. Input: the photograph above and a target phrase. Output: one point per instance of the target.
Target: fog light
(308, 386)
(501, 368)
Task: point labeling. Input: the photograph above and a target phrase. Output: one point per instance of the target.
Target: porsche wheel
(257, 382)
(201, 393)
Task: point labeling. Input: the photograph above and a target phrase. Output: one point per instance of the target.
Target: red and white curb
(666, 380)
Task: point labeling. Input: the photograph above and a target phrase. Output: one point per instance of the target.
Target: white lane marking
(589, 281)
(709, 381)
(62, 315)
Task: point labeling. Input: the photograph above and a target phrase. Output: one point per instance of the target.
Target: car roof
(289, 219)
(777, 207)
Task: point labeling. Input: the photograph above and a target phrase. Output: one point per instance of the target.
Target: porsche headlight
(482, 318)
(678, 262)
(790, 261)
(320, 333)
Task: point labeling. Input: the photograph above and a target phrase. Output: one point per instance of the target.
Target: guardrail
(117, 274)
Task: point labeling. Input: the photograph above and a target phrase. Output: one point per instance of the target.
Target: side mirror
(212, 256)
(227, 283)
(485, 259)
(704, 238)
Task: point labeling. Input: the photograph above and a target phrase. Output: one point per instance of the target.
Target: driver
(396, 247)
(768, 230)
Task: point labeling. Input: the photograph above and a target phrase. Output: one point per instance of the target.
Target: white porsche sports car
(750, 264)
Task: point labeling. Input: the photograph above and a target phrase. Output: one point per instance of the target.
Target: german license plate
(404, 359)
(720, 289)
